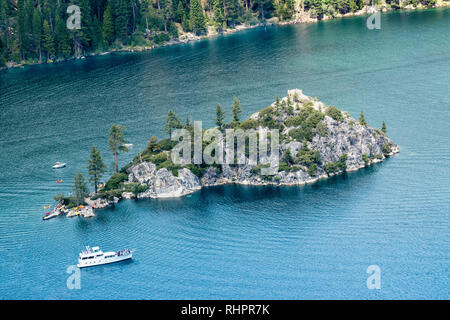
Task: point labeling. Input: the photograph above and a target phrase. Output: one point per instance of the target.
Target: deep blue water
(233, 241)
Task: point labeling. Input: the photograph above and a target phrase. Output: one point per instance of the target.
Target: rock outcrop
(162, 183)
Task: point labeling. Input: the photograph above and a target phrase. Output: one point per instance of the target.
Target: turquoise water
(233, 241)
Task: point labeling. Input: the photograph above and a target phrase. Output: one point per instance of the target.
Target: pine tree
(180, 12)
(290, 106)
(186, 24)
(82, 38)
(79, 188)
(48, 43)
(383, 127)
(167, 13)
(108, 25)
(362, 120)
(152, 144)
(117, 142)
(96, 167)
(122, 15)
(219, 19)
(236, 110)
(5, 11)
(288, 157)
(64, 47)
(220, 117)
(22, 32)
(172, 122)
(277, 102)
(3, 53)
(37, 32)
(187, 123)
(197, 18)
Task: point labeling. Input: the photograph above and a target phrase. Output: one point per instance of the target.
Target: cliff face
(162, 183)
(316, 142)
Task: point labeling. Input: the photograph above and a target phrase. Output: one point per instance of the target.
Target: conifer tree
(362, 120)
(220, 117)
(47, 41)
(196, 17)
(79, 188)
(108, 25)
(152, 144)
(180, 12)
(172, 122)
(37, 32)
(219, 19)
(63, 46)
(236, 110)
(383, 127)
(96, 167)
(117, 142)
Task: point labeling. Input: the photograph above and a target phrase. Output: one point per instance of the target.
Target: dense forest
(35, 30)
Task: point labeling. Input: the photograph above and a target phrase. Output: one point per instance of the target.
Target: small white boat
(94, 256)
(59, 165)
(128, 145)
(51, 215)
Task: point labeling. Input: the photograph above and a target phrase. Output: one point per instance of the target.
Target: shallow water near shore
(233, 241)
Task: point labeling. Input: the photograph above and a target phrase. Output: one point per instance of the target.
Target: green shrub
(334, 113)
(139, 188)
(266, 111)
(269, 122)
(342, 163)
(334, 167)
(283, 166)
(68, 202)
(321, 129)
(158, 158)
(248, 124)
(330, 168)
(387, 148)
(198, 171)
(169, 166)
(312, 169)
(378, 156)
(125, 168)
(306, 122)
(257, 169)
(366, 158)
(115, 181)
(166, 144)
(307, 157)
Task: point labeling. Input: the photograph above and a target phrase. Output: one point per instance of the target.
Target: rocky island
(316, 141)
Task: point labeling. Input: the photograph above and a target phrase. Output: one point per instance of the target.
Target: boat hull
(97, 262)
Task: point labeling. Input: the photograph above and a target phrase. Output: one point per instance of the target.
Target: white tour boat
(94, 256)
(59, 165)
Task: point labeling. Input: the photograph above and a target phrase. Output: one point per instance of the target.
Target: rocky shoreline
(337, 143)
(186, 37)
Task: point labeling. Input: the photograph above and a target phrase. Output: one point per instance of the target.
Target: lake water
(233, 241)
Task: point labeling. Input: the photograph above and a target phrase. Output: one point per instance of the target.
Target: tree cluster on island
(96, 168)
(35, 30)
